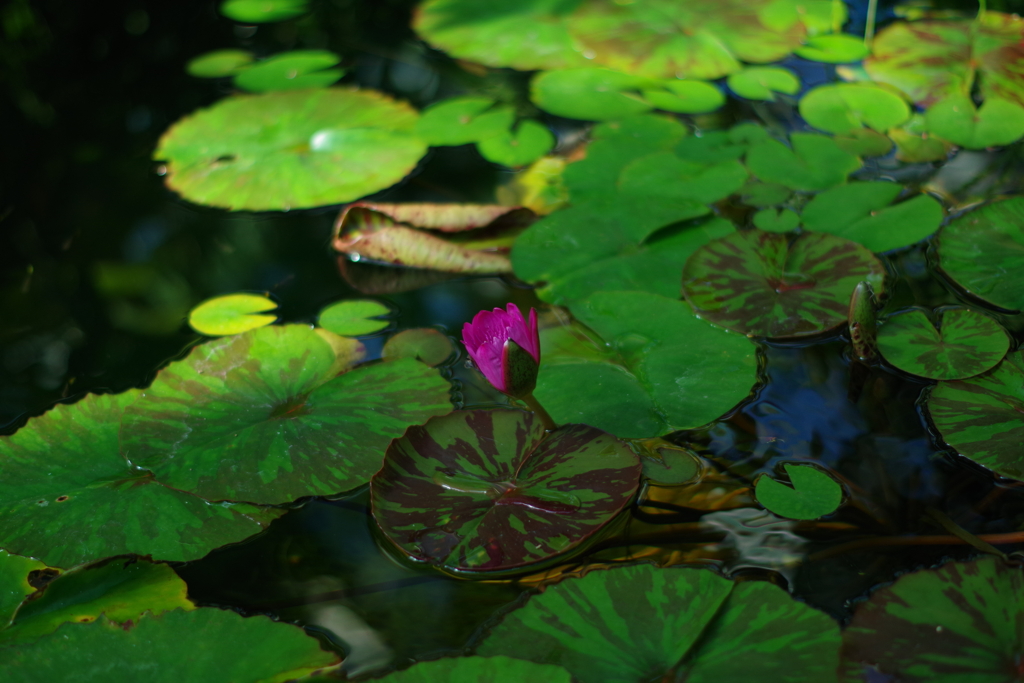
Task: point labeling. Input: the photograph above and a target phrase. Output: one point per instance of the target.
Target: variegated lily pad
(643, 623)
(488, 490)
(983, 417)
(266, 417)
(965, 343)
(777, 285)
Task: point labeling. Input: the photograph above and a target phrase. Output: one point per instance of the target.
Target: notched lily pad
(813, 493)
(462, 120)
(842, 108)
(219, 63)
(292, 70)
(354, 317)
(487, 490)
(518, 146)
(424, 344)
(479, 670)
(815, 162)
(778, 285)
(231, 314)
(996, 122)
(762, 82)
(833, 49)
(263, 11)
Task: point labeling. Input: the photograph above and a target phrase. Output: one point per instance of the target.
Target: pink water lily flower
(511, 368)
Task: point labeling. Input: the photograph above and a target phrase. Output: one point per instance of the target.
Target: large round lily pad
(996, 122)
(642, 623)
(983, 417)
(68, 496)
(979, 249)
(487, 490)
(966, 343)
(776, 285)
(264, 417)
(201, 646)
(289, 150)
(960, 622)
(843, 108)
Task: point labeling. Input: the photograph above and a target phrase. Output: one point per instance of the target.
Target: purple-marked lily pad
(266, 417)
(777, 285)
(69, 496)
(484, 490)
(965, 343)
(14, 585)
(979, 249)
(643, 623)
(958, 623)
(983, 417)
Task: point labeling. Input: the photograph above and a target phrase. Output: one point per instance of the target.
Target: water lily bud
(505, 348)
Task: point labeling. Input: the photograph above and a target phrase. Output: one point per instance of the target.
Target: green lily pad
(487, 490)
(201, 646)
(289, 150)
(67, 492)
(864, 142)
(813, 493)
(231, 314)
(527, 143)
(293, 70)
(669, 465)
(462, 120)
(960, 622)
(479, 670)
(14, 585)
(834, 49)
(263, 11)
(983, 417)
(756, 193)
(642, 623)
(996, 122)
(966, 343)
(664, 177)
(653, 369)
(686, 97)
(219, 63)
(915, 145)
(424, 344)
(591, 94)
(845, 107)
(122, 590)
(354, 317)
(774, 285)
(815, 162)
(861, 212)
(762, 82)
(772, 220)
(978, 249)
(265, 416)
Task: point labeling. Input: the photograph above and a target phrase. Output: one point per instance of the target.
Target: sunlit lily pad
(354, 317)
(121, 589)
(965, 344)
(202, 646)
(288, 150)
(424, 344)
(815, 162)
(265, 417)
(812, 493)
(263, 11)
(293, 70)
(461, 120)
(686, 97)
(14, 584)
(845, 107)
(67, 494)
(983, 417)
(219, 63)
(833, 49)
(484, 490)
(231, 314)
(479, 670)
(914, 144)
(978, 249)
(591, 94)
(864, 142)
(762, 82)
(996, 122)
(525, 143)
(776, 285)
(643, 623)
(861, 212)
(960, 622)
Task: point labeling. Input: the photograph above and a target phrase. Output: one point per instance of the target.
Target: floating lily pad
(655, 368)
(774, 285)
(424, 344)
(983, 417)
(966, 343)
(960, 622)
(996, 122)
(121, 589)
(642, 623)
(978, 249)
(915, 145)
(864, 142)
(201, 646)
(812, 493)
(833, 49)
(263, 11)
(14, 585)
(231, 314)
(670, 465)
(265, 417)
(487, 490)
(479, 670)
(69, 496)
(462, 120)
(591, 94)
(861, 212)
(219, 63)
(762, 82)
(772, 220)
(288, 150)
(686, 97)
(815, 162)
(540, 187)
(845, 107)
(666, 178)
(354, 317)
(523, 145)
(293, 70)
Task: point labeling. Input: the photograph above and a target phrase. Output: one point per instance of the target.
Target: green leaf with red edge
(487, 490)
(14, 585)
(777, 285)
(68, 496)
(266, 417)
(983, 417)
(965, 343)
(960, 622)
(643, 623)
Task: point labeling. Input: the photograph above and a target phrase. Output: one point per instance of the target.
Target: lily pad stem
(538, 409)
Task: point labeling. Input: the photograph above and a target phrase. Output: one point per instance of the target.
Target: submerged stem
(869, 28)
(538, 409)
